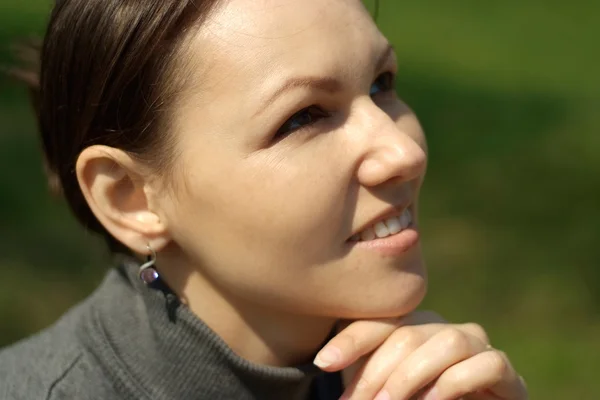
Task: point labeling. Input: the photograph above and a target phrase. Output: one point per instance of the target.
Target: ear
(117, 189)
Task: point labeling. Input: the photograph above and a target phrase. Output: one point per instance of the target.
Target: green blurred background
(509, 93)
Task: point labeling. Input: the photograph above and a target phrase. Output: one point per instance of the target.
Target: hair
(107, 73)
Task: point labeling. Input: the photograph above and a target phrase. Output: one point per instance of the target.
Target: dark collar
(153, 347)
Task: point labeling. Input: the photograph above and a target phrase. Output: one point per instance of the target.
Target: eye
(302, 119)
(383, 83)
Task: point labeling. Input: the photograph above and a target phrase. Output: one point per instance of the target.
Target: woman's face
(291, 142)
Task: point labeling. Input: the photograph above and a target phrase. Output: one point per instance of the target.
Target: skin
(420, 356)
(252, 230)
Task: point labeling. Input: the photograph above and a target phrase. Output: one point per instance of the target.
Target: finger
(360, 338)
(513, 386)
(475, 330)
(353, 342)
(380, 365)
(488, 370)
(429, 361)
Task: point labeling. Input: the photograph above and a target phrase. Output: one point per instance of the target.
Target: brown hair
(107, 73)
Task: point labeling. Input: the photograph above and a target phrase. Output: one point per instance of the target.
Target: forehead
(264, 37)
(278, 18)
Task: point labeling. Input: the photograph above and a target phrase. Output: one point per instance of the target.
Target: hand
(420, 356)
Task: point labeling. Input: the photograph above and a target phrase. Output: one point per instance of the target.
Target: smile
(389, 227)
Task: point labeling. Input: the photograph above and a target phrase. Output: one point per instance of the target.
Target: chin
(405, 304)
(389, 302)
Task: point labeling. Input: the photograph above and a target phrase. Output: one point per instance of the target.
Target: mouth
(387, 226)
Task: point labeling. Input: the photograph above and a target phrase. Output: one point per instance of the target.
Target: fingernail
(329, 355)
(383, 395)
(432, 394)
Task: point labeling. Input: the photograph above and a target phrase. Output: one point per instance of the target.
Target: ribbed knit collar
(151, 353)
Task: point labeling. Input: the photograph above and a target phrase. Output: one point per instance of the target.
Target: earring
(148, 273)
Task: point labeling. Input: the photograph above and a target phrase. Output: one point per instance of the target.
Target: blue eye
(383, 83)
(302, 119)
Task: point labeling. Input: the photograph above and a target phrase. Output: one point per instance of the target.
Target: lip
(394, 211)
(394, 245)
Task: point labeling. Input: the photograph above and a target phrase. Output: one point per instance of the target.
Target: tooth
(381, 230)
(368, 234)
(393, 224)
(405, 219)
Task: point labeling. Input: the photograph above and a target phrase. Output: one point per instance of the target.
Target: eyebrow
(324, 84)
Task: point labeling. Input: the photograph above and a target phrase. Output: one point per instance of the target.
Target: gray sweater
(128, 341)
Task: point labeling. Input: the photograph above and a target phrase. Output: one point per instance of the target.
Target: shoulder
(34, 367)
(52, 365)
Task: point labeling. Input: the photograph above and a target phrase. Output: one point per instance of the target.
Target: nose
(391, 149)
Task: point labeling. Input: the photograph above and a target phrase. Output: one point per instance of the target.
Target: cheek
(254, 209)
(262, 231)
(299, 206)
(274, 232)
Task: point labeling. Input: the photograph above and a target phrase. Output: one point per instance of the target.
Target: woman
(257, 154)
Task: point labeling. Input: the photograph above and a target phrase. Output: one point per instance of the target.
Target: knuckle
(364, 384)
(497, 365)
(408, 338)
(477, 331)
(351, 343)
(455, 338)
(457, 376)
(346, 342)
(461, 380)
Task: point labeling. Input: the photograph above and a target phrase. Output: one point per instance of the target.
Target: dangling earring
(148, 273)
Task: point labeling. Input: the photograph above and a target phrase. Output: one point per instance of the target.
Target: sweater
(129, 341)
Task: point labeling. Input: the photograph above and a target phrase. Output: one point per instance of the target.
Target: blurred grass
(509, 94)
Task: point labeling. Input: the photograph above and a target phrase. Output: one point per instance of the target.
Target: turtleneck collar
(156, 348)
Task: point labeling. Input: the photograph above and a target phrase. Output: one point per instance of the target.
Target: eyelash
(315, 113)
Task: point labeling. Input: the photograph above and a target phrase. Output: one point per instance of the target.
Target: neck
(257, 333)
